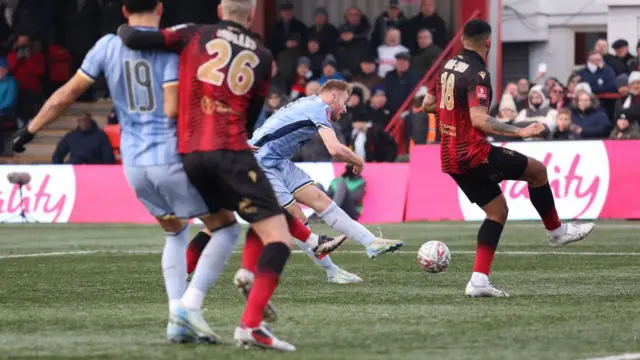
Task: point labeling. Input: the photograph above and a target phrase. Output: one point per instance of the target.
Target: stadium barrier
(590, 180)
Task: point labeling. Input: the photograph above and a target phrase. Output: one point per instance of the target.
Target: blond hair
(237, 10)
(335, 85)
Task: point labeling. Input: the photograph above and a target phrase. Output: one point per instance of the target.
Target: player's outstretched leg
(488, 238)
(275, 254)
(300, 230)
(335, 217)
(213, 260)
(541, 196)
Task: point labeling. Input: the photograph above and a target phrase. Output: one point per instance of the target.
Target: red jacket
(28, 72)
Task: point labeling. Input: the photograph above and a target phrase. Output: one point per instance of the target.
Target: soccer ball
(434, 256)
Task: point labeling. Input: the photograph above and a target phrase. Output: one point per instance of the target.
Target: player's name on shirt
(456, 65)
(239, 39)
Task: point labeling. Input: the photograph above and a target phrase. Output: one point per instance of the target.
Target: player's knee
(171, 224)
(536, 173)
(273, 230)
(218, 220)
(499, 214)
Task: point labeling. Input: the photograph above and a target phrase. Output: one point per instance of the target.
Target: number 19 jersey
(464, 83)
(136, 80)
(222, 69)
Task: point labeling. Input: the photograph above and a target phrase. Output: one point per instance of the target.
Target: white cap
(634, 77)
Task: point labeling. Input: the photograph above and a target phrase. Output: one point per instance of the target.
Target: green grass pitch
(96, 292)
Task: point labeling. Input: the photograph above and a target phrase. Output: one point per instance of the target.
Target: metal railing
(396, 126)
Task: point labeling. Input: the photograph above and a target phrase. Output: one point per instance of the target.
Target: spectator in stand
(311, 88)
(507, 113)
(430, 20)
(557, 97)
(393, 18)
(600, 77)
(316, 56)
(538, 110)
(510, 93)
(356, 23)
(367, 76)
(28, 68)
(288, 59)
(277, 80)
(387, 52)
(622, 83)
(572, 82)
(421, 128)
(350, 51)
(630, 104)
(590, 121)
(376, 110)
(399, 84)
(634, 65)
(426, 54)
(523, 93)
(284, 27)
(329, 70)
(8, 104)
(303, 75)
(325, 34)
(549, 83)
(273, 103)
(356, 103)
(371, 142)
(112, 118)
(565, 130)
(87, 144)
(602, 47)
(621, 49)
(624, 129)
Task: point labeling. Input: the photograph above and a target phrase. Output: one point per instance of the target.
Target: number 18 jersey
(222, 68)
(136, 80)
(463, 83)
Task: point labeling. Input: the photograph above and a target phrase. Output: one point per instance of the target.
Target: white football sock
(174, 263)
(479, 279)
(326, 262)
(212, 261)
(559, 231)
(340, 221)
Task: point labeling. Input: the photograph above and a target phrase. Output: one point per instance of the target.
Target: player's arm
(171, 39)
(337, 150)
(429, 104)
(170, 87)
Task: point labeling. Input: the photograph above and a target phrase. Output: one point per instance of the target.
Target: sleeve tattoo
(495, 126)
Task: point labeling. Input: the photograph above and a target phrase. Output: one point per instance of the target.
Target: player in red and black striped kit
(224, 78)
(462, 99)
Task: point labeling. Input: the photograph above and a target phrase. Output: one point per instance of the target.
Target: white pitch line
(403, 252)
(630, 356)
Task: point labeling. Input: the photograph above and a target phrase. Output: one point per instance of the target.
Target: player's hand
(357, 169)
(532, 130)
(254, 148)
(20, 139)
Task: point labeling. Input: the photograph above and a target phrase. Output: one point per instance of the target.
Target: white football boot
(382, 246)
(191, 323)
(344, 277)
(486, 290)
(243, 280)
(568, 233)
(261, 337)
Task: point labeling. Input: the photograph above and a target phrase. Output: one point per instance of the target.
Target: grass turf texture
(110, 303)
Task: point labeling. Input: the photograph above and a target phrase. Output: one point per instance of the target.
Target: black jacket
(280, 32)
(382, 24)
(399, 87)
(84, 147)
(433, 23)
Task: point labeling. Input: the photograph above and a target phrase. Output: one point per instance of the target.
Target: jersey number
(447, 83)
(137, 74)
(240, 76)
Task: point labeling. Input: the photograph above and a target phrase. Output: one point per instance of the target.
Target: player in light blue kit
(283, 135)
(143, 86)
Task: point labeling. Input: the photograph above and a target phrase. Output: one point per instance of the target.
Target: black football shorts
(232, 180)
(481, 184)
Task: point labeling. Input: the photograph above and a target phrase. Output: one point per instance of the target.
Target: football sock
(270, 267)
(488, 238)
(300, 231)
(542, 199)
(195, 248)
(174, 264)
(212, 261)
(253, 247)
(340, 221)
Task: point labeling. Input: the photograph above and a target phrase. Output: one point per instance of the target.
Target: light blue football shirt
(288, 129)
(136, 80)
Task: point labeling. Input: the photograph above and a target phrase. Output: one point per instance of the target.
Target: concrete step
(25, 159)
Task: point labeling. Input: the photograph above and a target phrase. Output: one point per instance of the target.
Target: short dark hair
(476, 30)
(140, 6)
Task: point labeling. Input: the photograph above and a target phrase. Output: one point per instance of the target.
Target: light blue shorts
(165, 190)
(286, 178)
